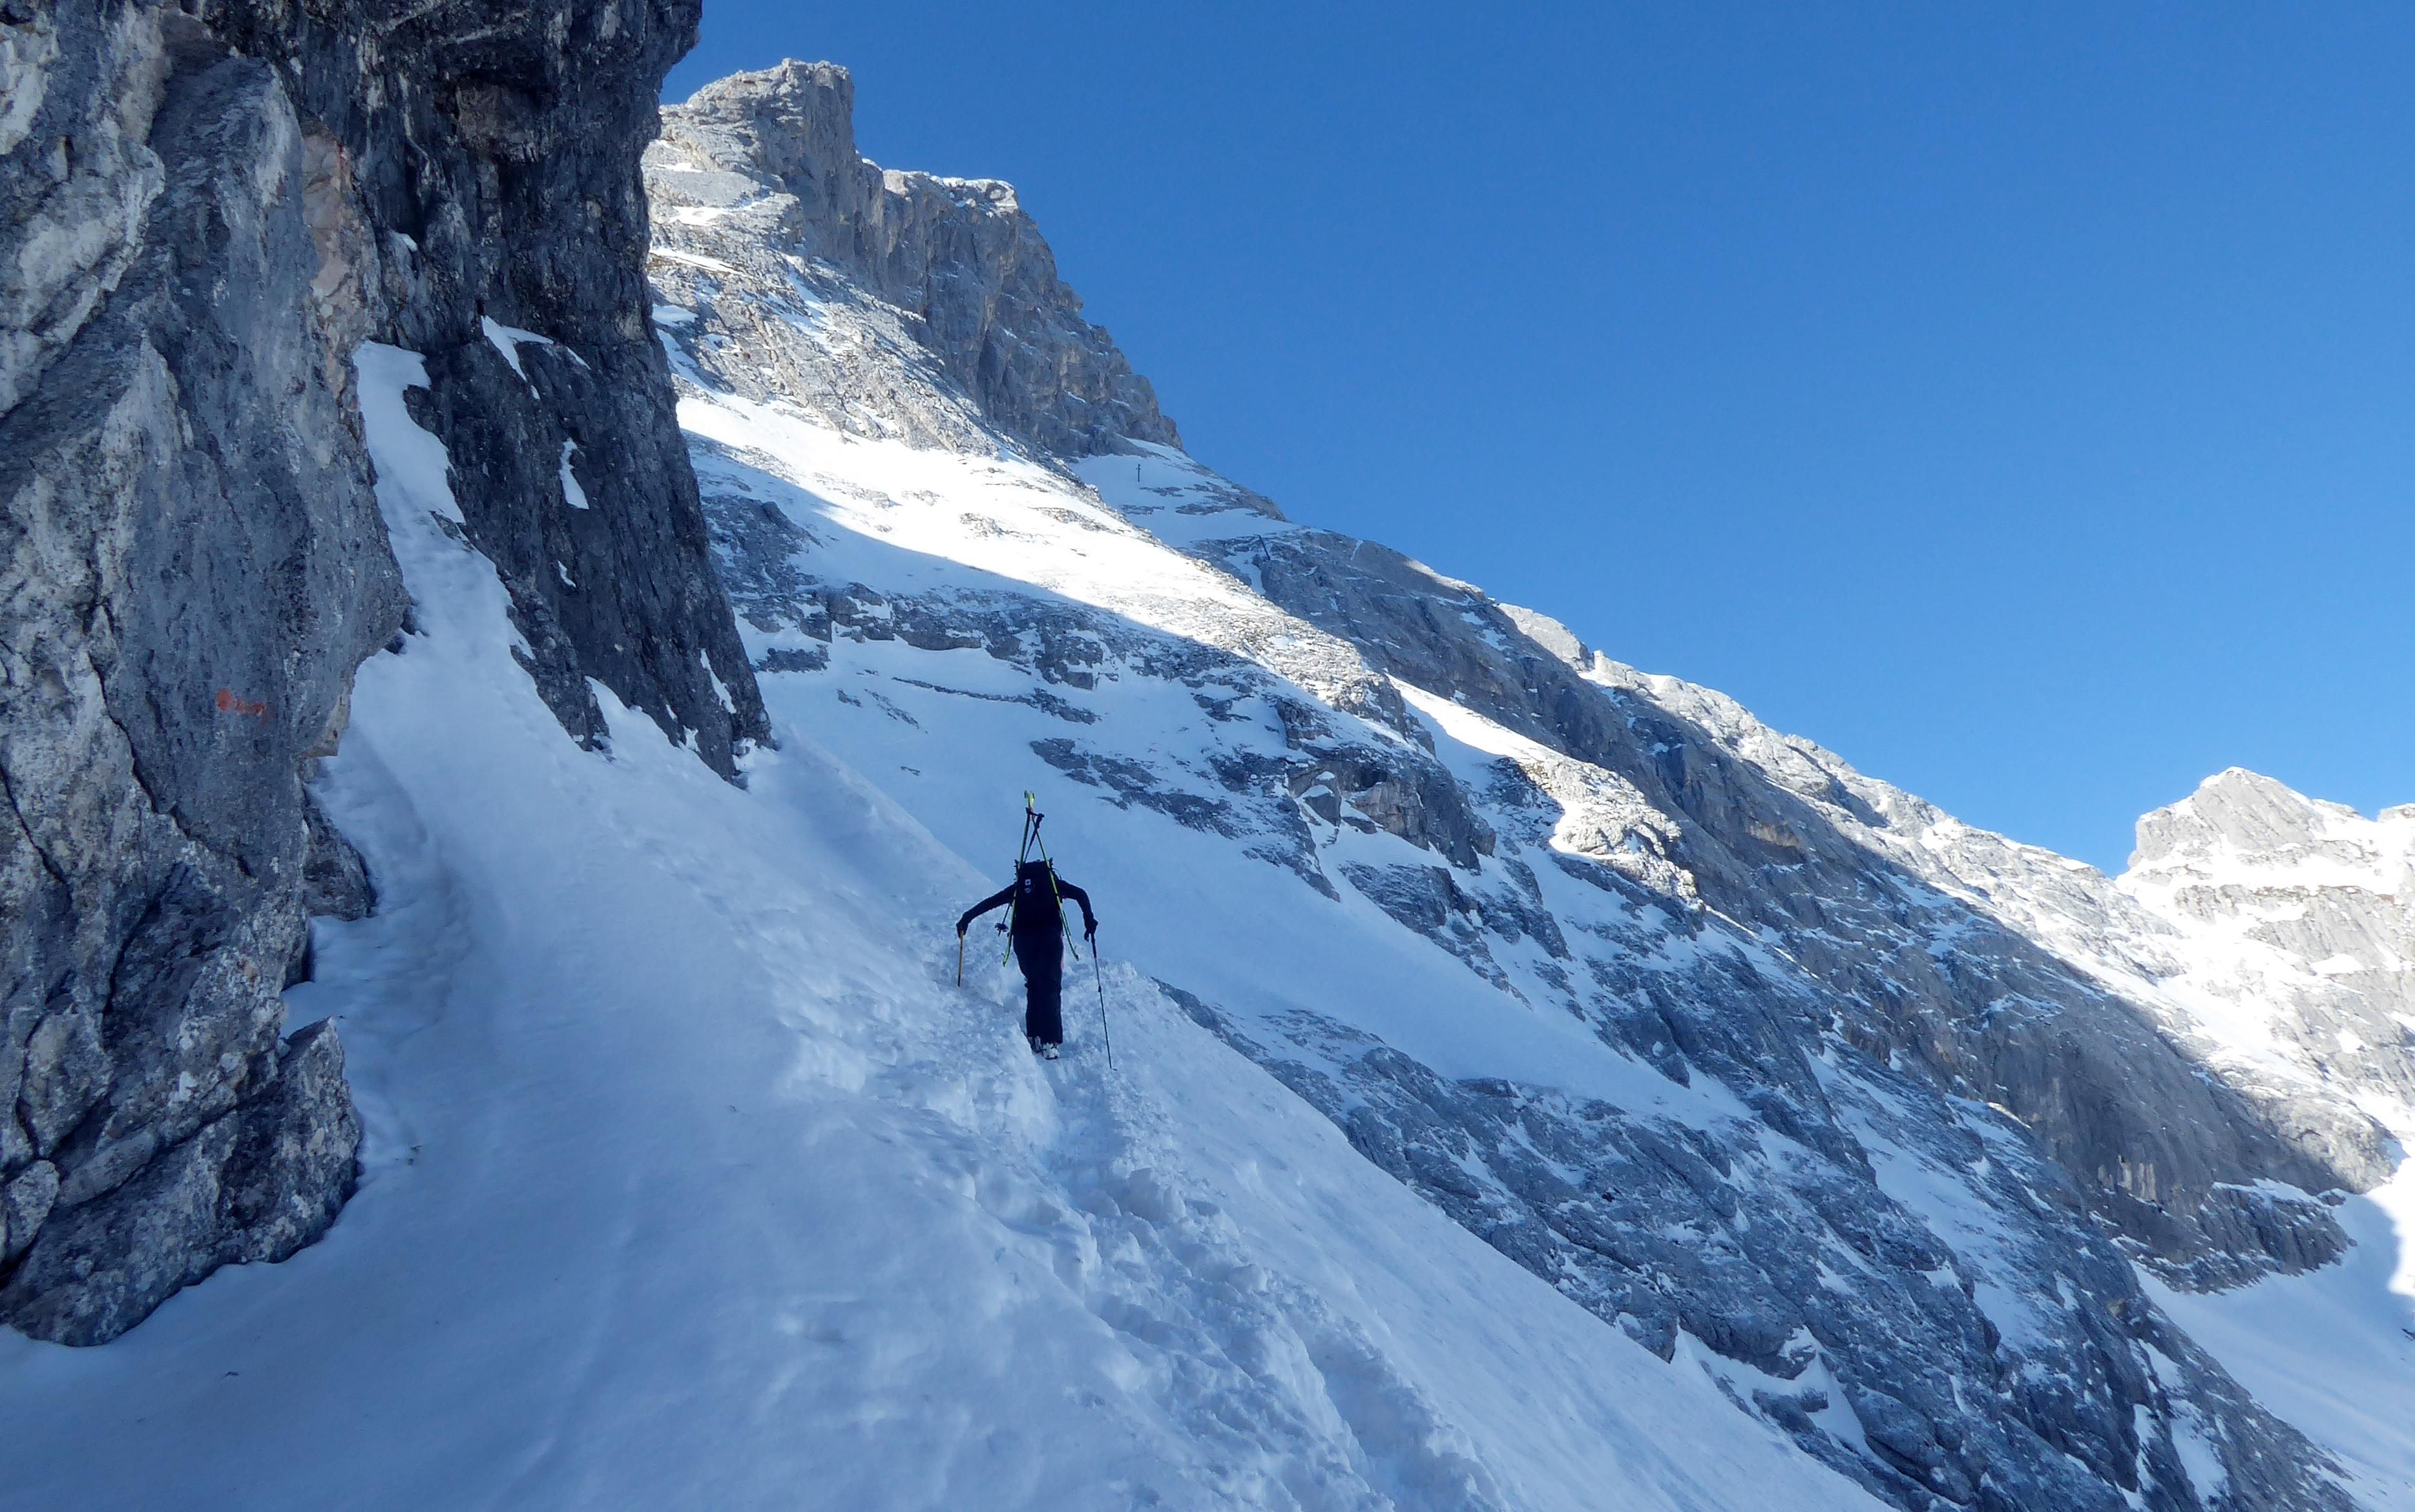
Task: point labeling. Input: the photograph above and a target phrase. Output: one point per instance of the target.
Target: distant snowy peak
(2240, 821)
(759, 174)
(2298, 919)
(2328, 893)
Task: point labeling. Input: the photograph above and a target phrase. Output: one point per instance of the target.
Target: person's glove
(1091, 929)
(960, 929)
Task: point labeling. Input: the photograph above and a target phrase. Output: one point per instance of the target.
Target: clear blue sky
(2018, 401)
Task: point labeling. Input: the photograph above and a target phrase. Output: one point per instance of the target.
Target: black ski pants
(1042, 960)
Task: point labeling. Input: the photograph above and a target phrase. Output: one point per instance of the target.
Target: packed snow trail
(690, 1179)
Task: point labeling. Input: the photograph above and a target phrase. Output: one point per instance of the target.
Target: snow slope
(962, 625)
(2332, 1350)
(951, 731)
(691, 1179)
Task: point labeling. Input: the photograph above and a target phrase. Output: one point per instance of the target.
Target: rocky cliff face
(208, 207)
(1860, 883)
(771, 158)
(1969, 1084)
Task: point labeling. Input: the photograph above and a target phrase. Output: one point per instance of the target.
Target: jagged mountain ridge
(1410, 623)
(1866, 975)
(959, 257)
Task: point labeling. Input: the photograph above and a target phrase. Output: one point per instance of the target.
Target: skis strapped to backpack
(1031, 841)
(1032, 818)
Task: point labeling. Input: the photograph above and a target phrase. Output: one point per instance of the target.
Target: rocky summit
(1519, 1080)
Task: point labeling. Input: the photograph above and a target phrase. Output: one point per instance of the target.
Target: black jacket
(1034, 892)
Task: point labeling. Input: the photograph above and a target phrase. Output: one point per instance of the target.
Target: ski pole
(960, 958)
(1097, 976)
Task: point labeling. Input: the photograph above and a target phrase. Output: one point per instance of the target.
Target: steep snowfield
(2332, 1350)
(692, 1179)
(951, 733)
(917, 702)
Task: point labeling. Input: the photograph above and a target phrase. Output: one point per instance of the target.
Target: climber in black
(1036, 923)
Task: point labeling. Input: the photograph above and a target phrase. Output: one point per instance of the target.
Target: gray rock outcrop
(764, 165)
(1934, 1374)
(1785, 837)
(208, 206)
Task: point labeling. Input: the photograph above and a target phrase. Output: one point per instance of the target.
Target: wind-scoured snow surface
(691, 1178)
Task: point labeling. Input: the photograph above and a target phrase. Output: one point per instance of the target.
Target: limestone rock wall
(484, 156)
(1787, 838)
(770, 156)
(194, 565)
(207, 206)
